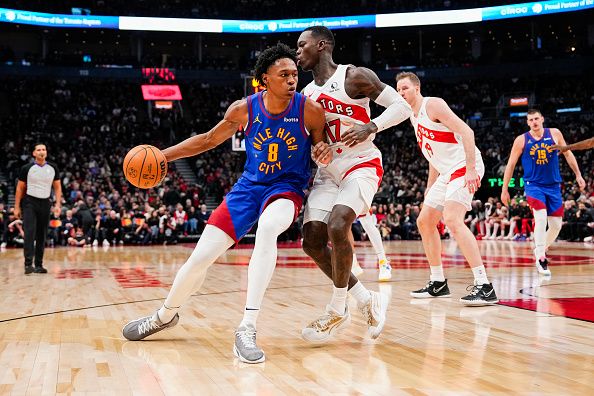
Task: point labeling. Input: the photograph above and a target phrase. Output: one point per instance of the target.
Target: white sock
(555, 224)
(360, 293)
(250, 316)
(374, 236)
(338, 302)
(276, 218)
(190, 276)
(437, 273)
(480, 275)
(540, 233)
(163, 315)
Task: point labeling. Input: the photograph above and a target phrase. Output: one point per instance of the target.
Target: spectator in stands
(78, 238)
(203, 217)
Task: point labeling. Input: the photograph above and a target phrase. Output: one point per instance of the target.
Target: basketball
(145, 166)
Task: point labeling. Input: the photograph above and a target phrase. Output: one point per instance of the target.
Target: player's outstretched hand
(581, 183)
(322, 153)
(472, 180)
(357, 133)
(559, 147)
(505, 197)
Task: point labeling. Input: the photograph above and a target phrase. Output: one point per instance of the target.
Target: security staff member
(33, 201)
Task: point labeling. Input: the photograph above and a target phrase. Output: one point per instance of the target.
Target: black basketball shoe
(432, 289)
(480, 295)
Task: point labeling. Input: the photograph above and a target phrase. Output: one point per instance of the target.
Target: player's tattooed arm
(236, 115)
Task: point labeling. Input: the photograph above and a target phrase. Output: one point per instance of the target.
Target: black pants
(36, 215)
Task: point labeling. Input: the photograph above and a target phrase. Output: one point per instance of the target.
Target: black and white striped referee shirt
(39, 179)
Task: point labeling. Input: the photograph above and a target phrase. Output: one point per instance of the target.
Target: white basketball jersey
(442, 147)
(340, 108)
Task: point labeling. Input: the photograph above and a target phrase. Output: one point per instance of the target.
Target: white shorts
(356, 191)
(450, 187)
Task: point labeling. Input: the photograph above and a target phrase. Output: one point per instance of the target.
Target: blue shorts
(242, 206)
(545, 196)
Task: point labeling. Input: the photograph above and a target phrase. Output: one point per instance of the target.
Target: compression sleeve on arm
(397, 110)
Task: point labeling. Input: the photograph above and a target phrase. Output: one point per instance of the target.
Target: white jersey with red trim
(340, 108)
(442, 147)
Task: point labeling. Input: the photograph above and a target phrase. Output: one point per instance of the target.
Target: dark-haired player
(345, 188)
(280, 127)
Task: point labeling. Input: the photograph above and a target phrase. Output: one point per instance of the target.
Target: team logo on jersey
(334, 87)
(257, 119)
(539, 152)
(270, 143)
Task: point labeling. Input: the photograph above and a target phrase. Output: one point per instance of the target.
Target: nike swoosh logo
(488, 294)
(438, 290)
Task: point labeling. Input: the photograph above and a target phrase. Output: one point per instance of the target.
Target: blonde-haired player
(455, 171)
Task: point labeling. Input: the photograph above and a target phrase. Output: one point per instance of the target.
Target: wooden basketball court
(60, 333)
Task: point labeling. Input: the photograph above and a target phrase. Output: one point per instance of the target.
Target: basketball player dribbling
(345, 188)
(455, 171)
(280, 127)
(542, 181)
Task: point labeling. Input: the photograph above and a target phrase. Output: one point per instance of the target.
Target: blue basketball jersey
(541, 164)
(277, 146)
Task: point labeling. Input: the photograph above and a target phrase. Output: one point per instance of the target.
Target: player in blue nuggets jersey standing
(542, 180)
(280, 127)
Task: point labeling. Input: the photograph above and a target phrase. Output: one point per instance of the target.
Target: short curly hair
(271, 55)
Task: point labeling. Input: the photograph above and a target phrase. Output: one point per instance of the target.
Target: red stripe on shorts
(293, 196)
(374, 163)
(458, 173)
(221, 218)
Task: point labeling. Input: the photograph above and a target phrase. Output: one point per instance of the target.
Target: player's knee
(315, 238)
(269, 228)
(338, 229)
(555, 223)
(453, 221)
(425, 223)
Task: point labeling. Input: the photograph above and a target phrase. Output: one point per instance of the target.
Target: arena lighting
(293, 25)
(570, 110)
(520, 101)
(161, 92)
(520, 114)
(163, 104)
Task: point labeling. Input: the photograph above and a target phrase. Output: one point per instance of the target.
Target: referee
(33, 201)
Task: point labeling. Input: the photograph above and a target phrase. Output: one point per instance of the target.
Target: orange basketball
(145, 166)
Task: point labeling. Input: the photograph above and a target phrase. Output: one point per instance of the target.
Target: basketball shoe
(432, 289)
(542, 265)
(480, 295)
(139, 329)
(374, 313)
(245, 348)
(385, 271)
(327, 325)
